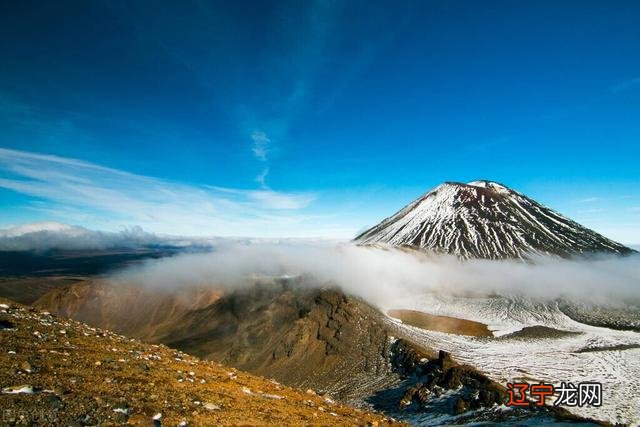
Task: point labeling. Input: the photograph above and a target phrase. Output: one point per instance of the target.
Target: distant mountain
(485, 219)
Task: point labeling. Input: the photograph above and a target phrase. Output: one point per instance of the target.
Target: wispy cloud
(262, 177)
(261, 149)
(61, 186)
(589, 200)
(270, 122)
(626, 85)
(260, 145)
(274, 200)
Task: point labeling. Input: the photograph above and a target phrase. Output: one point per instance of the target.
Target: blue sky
(275, 118)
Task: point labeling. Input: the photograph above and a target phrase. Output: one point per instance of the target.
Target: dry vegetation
(57, 371)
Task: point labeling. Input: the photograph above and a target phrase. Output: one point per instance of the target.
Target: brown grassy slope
(26, 289)
(82, 374)
(129, 310)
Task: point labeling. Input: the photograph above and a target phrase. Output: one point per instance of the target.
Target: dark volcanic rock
(475, 397)
(443, 373)
(6, 324)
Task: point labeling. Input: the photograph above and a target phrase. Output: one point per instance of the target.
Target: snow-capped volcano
(485, 219)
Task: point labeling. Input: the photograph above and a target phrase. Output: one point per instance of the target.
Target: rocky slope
(62, 372)
(484, 219)
(307, 337)
(302, 335)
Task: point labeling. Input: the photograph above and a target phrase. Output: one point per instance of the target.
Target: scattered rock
(272, 396)
(435, 376)
(460, 406)
(445, 361)
(139, 420)
(19, 389)
(26, 367)
(59, 390)
(6, 324)
(53, 401)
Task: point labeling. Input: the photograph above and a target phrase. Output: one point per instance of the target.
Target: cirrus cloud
(74, 190)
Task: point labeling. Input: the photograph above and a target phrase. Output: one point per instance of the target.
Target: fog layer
(380, 275)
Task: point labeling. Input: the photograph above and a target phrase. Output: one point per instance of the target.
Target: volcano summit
(485, 219)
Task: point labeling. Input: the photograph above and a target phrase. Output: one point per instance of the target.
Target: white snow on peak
(490, 185)
(485, 219)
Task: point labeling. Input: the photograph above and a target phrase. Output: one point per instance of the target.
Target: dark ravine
(485, 219)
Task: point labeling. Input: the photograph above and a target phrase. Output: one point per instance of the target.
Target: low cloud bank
(53, 235)
(44, 236)
(381, 275)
